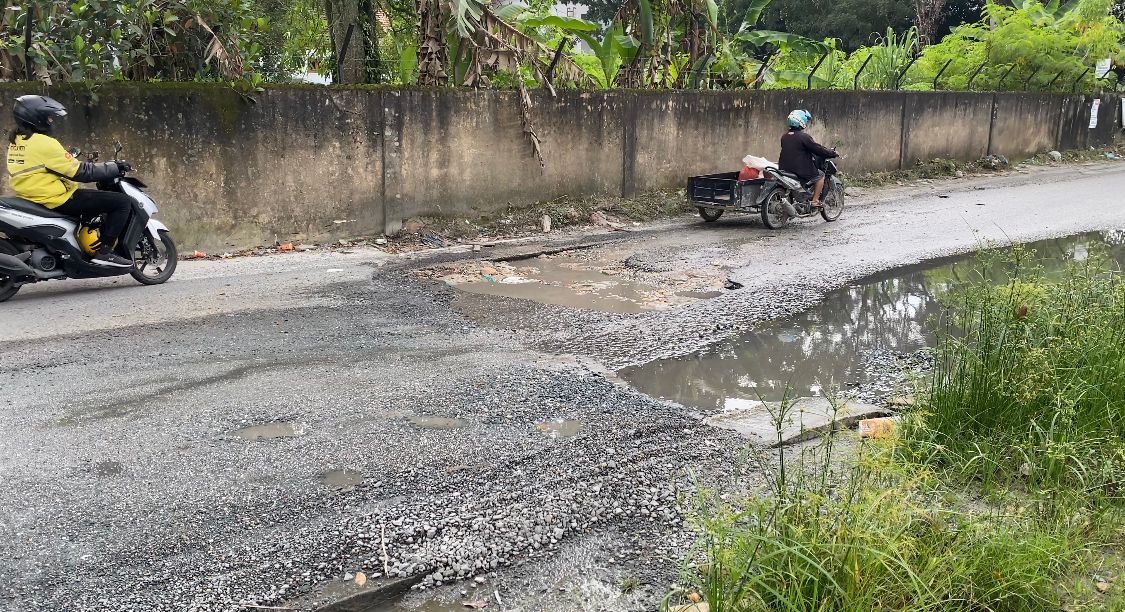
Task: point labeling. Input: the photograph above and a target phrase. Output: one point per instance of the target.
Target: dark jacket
(797, 151)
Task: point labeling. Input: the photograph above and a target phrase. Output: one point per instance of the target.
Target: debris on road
(877, 428)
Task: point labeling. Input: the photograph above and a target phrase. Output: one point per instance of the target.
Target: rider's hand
(123, 167)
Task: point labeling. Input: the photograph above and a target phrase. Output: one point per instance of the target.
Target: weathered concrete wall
(945, 124)
(313, 163)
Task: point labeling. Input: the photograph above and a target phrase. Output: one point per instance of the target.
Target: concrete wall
(310, 163)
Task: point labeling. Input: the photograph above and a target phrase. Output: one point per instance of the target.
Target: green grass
(1029, 383)
(870, 532)
(1002, 489)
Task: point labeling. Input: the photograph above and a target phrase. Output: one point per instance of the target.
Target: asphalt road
(129, 482)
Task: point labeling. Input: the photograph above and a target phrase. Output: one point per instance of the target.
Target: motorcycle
(784, 197)
(38, 244)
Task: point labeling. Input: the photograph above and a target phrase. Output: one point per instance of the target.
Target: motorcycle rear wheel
(149, 267)
(832, 205)
(773, 210)
(8, 286)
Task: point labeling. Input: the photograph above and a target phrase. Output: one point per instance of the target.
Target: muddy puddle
(341, 479)
(270, 431)
(424, 421)
(578, 281)
(559, 428)
(824, 347)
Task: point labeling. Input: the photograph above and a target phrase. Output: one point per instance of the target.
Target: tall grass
(869, 532)
(1029, 383)
(1026, 403)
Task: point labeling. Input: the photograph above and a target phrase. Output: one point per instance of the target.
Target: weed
(870, 531)
(1029, 383)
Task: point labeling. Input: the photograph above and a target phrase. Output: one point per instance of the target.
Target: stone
(806, 417)
(1055, 156)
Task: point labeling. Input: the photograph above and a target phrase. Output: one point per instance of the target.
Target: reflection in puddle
(435, 422)
(342, 479)
(822, 347)
(280, 429)
(559, 428)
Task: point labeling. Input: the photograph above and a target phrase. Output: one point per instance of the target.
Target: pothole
(586, 280)
(559, 428)
(108, 469)
(824, 347)
(342, 479)
(269, 431)
(425, 421)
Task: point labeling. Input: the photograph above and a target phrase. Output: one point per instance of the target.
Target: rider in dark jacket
(797, 151)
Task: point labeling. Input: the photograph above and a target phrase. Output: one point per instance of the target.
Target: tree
(854, 22)
(928, 17)
(351, 62)
(134, 39)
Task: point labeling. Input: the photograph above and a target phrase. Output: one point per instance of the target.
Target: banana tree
(434, 17)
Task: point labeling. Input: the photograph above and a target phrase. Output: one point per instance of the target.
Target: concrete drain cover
(807, 417)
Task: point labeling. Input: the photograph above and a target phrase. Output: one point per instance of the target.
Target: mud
(342, 479)
(599, 280)
(269, 431)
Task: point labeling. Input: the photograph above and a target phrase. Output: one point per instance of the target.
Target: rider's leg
(817, 188)
(114, 210)
(112, 206)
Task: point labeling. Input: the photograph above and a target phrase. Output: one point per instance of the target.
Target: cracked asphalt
(126, 484)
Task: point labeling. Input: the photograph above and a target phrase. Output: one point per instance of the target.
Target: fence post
(1027, 81)
(941, 72)
(898, 78)
(344, 53)
(1000, 83)
(1074, 86)
(973, 76)
(555, 60)
(855, 81)
(816, 67)
(762, 70)
(1052, 81)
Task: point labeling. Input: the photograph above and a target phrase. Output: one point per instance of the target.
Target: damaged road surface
(267, 433)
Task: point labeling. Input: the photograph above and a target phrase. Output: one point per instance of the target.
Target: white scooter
(38, 244)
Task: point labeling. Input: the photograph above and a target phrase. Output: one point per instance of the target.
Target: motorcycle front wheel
(832, 205)
(773, 210)
(154, 263)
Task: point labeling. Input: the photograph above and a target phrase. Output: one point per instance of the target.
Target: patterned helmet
(799, 119)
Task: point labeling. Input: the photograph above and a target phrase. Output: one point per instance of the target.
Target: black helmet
(37, 113)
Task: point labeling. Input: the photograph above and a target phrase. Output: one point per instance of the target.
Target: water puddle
(269, 431)
(566, 280)
(108, 469)
(424, 421)
(823, 346)
(559, 428)
(342, 479)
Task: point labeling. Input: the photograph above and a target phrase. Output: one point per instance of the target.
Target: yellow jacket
(41, 170)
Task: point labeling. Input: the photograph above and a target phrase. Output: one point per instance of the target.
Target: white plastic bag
(760, 163)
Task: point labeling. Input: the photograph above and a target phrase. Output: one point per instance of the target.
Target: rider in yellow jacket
(42, 171)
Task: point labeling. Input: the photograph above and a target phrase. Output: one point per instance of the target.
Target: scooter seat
(30, 208)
